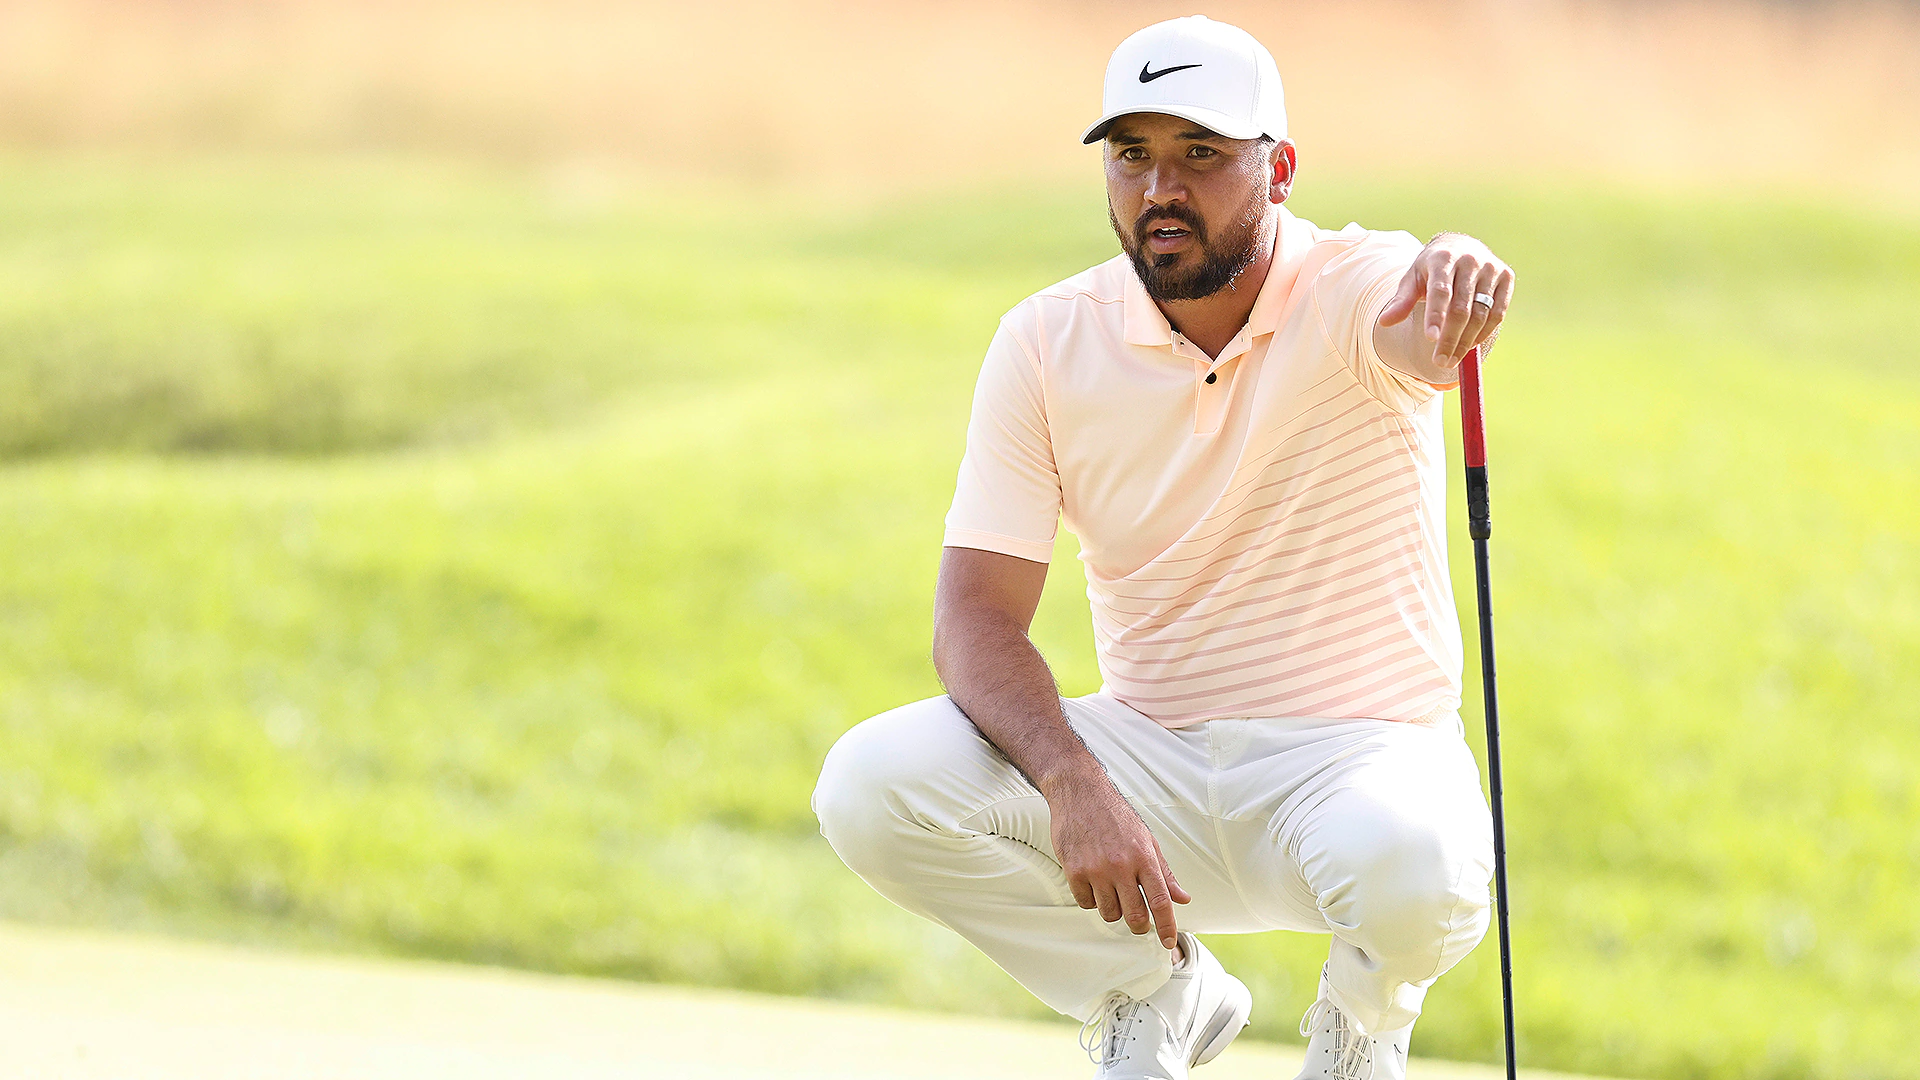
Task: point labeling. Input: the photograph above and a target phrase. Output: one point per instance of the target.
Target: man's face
(1191, 208)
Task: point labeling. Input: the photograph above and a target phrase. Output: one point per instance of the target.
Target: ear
(1282, 162)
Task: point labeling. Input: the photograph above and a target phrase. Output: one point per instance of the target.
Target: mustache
(1179, 212)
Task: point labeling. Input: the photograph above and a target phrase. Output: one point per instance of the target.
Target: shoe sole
(1236, 1008)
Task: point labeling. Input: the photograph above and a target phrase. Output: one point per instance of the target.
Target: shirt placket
(1212, 379)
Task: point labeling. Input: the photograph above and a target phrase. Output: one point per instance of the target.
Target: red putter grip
(1473, 423)
(1473, 441)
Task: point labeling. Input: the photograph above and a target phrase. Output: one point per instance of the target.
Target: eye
(1202, 152)
(1132, 153)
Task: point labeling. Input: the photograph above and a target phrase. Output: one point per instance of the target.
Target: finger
(1502, 293)
(1160, 906)
(1459, 310)
(1109, 901)
(1439, 295)
(1404, 298)
(1082, 891)
(1475, 330)
(1134, 907)
(1179, 894)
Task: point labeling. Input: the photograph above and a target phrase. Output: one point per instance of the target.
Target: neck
(1211, 321)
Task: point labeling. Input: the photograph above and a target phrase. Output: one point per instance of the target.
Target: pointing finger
(1160, 904)
(1439, 295)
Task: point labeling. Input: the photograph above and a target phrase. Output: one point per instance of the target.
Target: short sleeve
(1350, 293)
(1007, 499)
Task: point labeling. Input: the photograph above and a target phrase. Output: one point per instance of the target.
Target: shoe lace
(1352, 1051)
(1105, 1036)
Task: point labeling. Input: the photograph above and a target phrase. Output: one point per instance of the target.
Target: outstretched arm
(982, 610)
(1434, 318)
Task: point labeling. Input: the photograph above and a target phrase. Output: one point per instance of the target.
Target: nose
(1164, 185)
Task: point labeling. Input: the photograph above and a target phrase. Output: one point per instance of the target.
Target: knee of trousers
(1411, 892)
(880, 788)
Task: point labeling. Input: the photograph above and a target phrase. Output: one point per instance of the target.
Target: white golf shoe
(1336, 1050)
(1187, 1022)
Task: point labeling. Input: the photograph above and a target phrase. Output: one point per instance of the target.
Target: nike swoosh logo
(1148, 76)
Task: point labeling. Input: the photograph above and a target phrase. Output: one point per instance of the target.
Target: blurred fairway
(452, 563)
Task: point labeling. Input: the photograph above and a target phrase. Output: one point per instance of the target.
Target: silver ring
(1485, 298)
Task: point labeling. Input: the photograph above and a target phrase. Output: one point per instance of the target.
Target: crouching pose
(1239, 417)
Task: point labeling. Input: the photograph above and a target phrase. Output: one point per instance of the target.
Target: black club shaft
(1480, 528)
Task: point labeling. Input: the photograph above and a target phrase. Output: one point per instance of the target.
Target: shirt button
(1211, 376)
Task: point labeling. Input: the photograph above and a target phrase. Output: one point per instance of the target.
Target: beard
(1221, 263)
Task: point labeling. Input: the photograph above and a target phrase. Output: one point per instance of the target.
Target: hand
(1112, 862)
(1449, 273)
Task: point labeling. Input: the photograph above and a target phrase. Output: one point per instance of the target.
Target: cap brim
(1211, 119)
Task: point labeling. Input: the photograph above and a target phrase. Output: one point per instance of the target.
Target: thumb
(1401, 306)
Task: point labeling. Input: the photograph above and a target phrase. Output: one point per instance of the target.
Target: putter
(1473, 438)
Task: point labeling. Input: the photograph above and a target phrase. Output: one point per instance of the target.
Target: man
(1240, 419)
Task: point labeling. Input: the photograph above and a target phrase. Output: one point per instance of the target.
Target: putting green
(83, 1005)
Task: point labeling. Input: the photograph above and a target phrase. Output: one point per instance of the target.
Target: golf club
(1473, 438)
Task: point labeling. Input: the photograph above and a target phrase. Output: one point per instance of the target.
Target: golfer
(1239, 417)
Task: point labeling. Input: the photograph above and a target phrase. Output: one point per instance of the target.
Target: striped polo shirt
(1263, 534)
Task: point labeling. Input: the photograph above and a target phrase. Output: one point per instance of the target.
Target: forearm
(983, 607)
(1403, 346)
(993, 672)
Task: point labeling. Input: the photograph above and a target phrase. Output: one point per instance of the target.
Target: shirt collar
(1145, 325)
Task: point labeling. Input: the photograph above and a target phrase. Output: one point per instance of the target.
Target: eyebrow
(1127, 138)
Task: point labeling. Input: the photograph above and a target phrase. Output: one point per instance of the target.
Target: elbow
(945, 643)
(938, 656)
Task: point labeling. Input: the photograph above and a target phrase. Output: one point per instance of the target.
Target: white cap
(1211, 73)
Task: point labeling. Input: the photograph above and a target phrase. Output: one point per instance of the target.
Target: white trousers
(1370, 830)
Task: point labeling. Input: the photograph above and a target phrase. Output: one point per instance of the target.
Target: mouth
(1168, 238)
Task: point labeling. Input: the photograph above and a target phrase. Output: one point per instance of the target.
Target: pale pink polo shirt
(1272, 543)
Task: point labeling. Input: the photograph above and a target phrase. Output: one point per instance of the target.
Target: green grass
(400, 558)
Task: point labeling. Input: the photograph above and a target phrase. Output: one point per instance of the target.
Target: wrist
(1457, 242)
(1067, 780)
